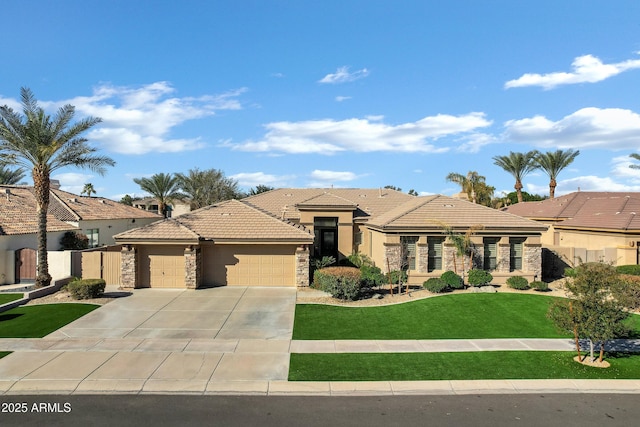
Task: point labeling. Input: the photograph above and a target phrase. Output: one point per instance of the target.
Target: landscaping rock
(488, 289)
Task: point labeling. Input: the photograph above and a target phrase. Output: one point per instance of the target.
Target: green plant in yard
(518, 282)
(340, 282)
(540, 286)
(452, 280)
(479, 277)
(371, 276)
(627, 291)
(633, 269)
(360, 260)
(86, 288)
(5, 297)
(435, 285)
(397, 276)
(569, 272)
(323, 262)
(37, 321)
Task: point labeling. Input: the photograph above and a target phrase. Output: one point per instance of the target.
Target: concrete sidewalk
(230, 341)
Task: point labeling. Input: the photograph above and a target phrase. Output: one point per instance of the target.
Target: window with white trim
(515, 253)
(434, 257)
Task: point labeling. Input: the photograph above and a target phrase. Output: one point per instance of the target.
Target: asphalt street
(188, 410)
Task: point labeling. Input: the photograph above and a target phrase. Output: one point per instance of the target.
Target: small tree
(88, 189)
(591, 311)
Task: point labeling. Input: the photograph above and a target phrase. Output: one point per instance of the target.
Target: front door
(25, 265)
(328, 246)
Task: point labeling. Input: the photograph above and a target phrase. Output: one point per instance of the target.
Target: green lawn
(455, 366)
(4, 353)
(455, 316)
(5, 298)
(37, 321)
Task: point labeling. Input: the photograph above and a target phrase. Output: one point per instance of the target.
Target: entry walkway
(230, 341)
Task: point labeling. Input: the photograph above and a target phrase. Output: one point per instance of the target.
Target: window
(357, 238)
(490, 253)
(408, 244)
(94, 237)
(434, 260)
(515, 249)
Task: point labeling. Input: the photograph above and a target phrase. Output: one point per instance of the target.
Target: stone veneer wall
(393, 254)
(302, 265)
(128, 267)
(504, 258)
(192, 267)
(422, 258)
(532, 259)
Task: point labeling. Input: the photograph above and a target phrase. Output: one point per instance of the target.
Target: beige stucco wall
(109, 227)
(345, 227)
(8, 246)
(619, 249)
(59, 264)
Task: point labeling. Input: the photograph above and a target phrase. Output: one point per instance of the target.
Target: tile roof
(432, 211)
(327, 200)
(18, 213)
(231, 220)
(71, 207)
(369, 202)
(586, 209)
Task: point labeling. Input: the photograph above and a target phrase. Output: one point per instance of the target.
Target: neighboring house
(96, 217)
(151, 204)
(267, 239)
(588, 226)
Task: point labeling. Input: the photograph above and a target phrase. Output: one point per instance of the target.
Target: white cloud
(610, 128)
(252, 179)
(585, 69)
(342, 98)
(325, 178)
(474, 142)
(584, 183)
(139, 120)
(343, 75)
(621, 169)
(362, 135)
(73, 182)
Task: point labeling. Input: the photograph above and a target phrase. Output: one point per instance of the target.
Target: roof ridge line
(62, 202)
(269, 214)
(418, 205)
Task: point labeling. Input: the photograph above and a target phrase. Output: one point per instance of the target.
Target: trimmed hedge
(371, 276)
(86, 288)
(435, 285)
(452, 280)
(633, 270)
(518, 282)
(340, 282)
(479, 277)
(540, 286)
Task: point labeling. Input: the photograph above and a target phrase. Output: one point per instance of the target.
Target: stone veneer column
(532, 261)
(393, 254)
(504, 258)
(192, 261)
(302, 265)
(128, 267)
(422, 257)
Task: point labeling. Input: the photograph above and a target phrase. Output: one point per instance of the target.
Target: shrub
(569, 272)
(396, 276)
(340, 282)
(633, 270)
(435, 285)
(518, 282)
(72, 240)
(323, 262)
(371, 276)
(479, 277)
(452, 280)
(359, 260)
(86, 288)
(540, 286)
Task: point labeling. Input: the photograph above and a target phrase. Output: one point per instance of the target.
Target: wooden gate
(102, 265)
(25, 265)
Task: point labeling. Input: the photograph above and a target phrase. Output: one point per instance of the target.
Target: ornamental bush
(86, 288)
(479, 277)
(540, 286)
(452, 280)
(435, 285)
(633, 270)
(396, 276)
(371, 276)
(569, 272)
(340, 282)
(518, 282)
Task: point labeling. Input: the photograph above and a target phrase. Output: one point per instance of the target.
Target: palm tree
(10, 177)
(473, 184)
(518, 165)
(462, 242)
(637, 157)
(207, 187)
(44, 144)
(164, 187)
(552, 163)
(88, 189)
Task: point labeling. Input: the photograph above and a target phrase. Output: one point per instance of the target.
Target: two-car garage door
(249, 265)
(222, 265)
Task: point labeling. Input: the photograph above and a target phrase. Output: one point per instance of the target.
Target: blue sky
(343, 93)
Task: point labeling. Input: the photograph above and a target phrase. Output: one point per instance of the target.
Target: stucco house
(588, 226)
(97, 217)
(151, 204)
(269, 238)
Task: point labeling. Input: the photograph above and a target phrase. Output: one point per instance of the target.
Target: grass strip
(37, 321)
(5, 298)
(486, 365)
(4, 353)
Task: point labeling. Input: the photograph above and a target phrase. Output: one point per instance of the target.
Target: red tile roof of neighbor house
(586, 210)
(18, 210)
(436, 211)
(231, 220)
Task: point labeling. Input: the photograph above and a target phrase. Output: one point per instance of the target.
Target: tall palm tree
(553, 162)
(44, 144)
(88, 189)
(9, 176)
(518, 165)
(470, 184)
(206, 187)
(165, 187)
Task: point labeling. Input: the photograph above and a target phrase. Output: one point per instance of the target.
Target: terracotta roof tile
(94, 208)
(18, 213)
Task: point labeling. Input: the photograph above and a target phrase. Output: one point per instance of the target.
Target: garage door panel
(256, 265)
(166, 268)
